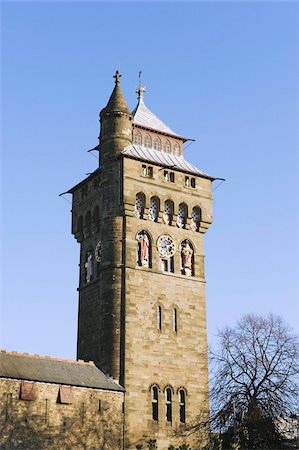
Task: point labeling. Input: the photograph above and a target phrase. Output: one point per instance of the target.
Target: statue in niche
(186, 255)
(143, 251)
(89, 266)
(137, 211)
(180, 222)
(193, 225)
(166, 218)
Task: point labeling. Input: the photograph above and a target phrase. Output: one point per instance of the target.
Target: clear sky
(225, 74)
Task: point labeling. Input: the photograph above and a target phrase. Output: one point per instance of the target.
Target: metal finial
(141, 89)
(117, 77)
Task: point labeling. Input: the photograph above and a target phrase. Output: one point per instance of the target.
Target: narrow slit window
(175, 320)
(155, 404)
(193, 182)
(168, 404)
(182, 405)
(171, 176)
(159, 318)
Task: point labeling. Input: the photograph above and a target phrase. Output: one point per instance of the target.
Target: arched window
(187, 258)
(155, 403)
(195, 218)
(79, 234)
(166, 249)
(95, 219)
(175, 320)
(182, 405)
(87, 224)
(137, 138)
(182, 215)
(166, 146)
(176, 149)
(157, 144)
(144, 249)
(153, 213)
(168, 404)
(147, 141)
(159, 318)
(139, 205)
(168, 212)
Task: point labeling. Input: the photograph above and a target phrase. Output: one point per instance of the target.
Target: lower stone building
(58, 404)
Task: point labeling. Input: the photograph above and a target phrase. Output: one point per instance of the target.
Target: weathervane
(141, 89)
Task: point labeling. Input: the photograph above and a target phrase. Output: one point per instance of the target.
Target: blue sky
(225, 74)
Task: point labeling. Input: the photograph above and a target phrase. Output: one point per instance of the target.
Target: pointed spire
(140, 89)
(117, 101)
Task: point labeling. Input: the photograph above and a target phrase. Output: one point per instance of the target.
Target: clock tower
(140, 219)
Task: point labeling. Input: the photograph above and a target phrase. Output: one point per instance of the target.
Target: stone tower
(140, 218)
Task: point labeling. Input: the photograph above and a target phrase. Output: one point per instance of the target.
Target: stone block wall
(166, 358)
(93, 421)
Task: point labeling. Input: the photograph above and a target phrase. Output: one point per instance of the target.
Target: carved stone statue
(137, 211)
(186, 254)
(166, 218)
(89, 267)
(180, 222)
(144, 249)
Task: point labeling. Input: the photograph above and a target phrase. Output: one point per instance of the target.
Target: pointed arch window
(87, 224)
(137, 138)
(166, 249)
(144, 249)
(155, 403)
(166, 146)
(95, 219)
(195, 218)
(147, 141)
(176, 149)
(153, 213)
(168, 212)
(139, 205)
(157, 144)
(182, 405)
(168, 404)
(182, 215)
(79, 233)
(187, 258)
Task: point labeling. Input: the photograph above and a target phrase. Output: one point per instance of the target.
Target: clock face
(166, 246)
(98, 252)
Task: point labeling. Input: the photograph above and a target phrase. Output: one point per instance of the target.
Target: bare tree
(255, 371)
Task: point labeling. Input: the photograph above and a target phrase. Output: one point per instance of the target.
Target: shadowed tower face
(140, 220)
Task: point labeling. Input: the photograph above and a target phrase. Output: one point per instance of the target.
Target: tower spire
(117, 101)
(140, 89)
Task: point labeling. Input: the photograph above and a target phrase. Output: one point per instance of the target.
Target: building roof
(163, 159)
(143, 117)
(117, 101)
(23, 366)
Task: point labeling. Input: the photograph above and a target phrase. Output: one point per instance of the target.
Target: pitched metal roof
(142, 116)
(163, 159)
(53, 370)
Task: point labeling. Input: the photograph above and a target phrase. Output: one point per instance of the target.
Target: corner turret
(116, 123)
